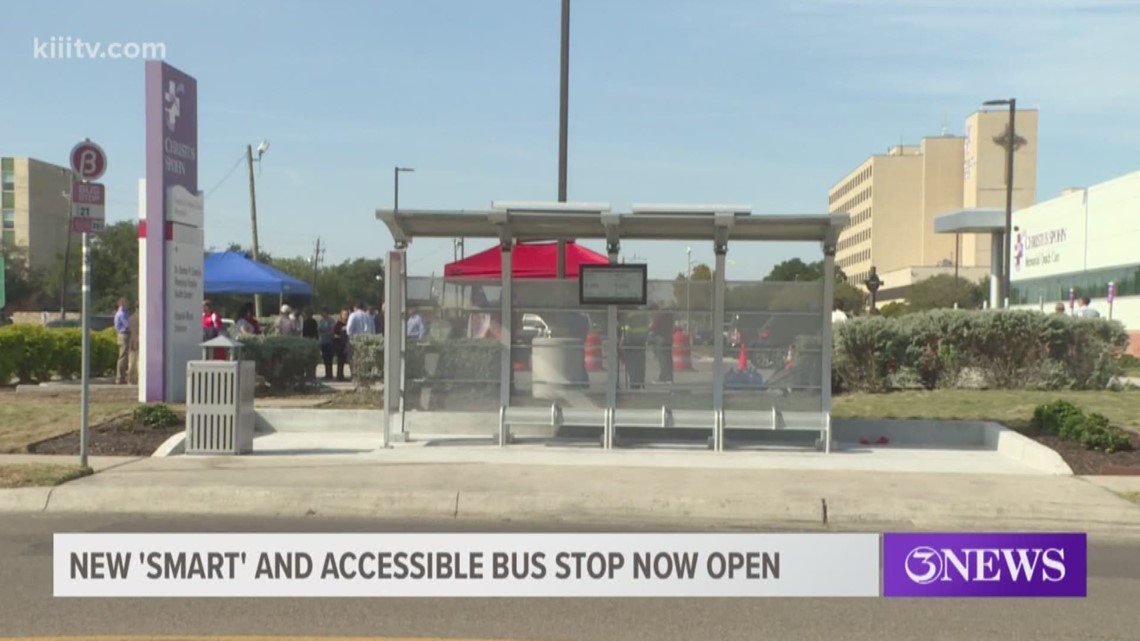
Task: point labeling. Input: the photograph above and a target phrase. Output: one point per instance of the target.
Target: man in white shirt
(837, 314)
(359, 322)
(1084, 311)
(416, 327)
(285, 321)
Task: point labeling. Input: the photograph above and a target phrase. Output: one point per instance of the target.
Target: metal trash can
(219, 402)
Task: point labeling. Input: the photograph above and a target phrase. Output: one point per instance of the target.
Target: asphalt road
(28, 609)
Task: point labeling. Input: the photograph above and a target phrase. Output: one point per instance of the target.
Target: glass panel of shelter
(665, 353)
(452, 355)
(773, 349)
(557, 346)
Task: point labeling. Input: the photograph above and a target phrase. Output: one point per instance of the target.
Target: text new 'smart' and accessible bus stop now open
(594, 354)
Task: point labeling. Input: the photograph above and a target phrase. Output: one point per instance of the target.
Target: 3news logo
(985, 565)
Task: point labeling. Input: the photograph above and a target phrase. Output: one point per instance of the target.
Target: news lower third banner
(911, 565)
(466, 565)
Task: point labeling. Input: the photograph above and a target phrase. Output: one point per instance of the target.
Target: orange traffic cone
(742, 363)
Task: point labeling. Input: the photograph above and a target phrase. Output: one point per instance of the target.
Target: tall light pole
(1010, 142)
(563, 123)
(262, 147)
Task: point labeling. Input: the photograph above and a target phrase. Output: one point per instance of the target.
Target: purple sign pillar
(171, 161)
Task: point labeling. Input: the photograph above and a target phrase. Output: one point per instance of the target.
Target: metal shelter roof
(567, 221)
(970, 221)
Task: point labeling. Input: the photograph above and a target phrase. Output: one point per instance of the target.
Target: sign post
(1111, 297)
(89, 163)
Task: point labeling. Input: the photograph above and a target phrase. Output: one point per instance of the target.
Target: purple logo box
(985, 565)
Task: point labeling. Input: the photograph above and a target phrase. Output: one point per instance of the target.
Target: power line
(227, 176)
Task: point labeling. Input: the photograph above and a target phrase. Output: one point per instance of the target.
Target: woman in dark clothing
(340, 343)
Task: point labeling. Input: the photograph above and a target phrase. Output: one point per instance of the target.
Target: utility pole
(316, 265)
(67, 250)
(563, 120)
(253, 220)
(262, 147)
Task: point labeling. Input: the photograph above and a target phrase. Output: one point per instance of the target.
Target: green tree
(944, 291)
(24, 287)
(700, 290)
(850, 297)
(797, 270)
(115, 265)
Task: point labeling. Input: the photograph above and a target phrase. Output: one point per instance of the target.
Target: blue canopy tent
(235, 273)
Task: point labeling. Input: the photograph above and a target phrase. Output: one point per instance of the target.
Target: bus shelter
(609, 355)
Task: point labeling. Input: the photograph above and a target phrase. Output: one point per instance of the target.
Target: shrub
(1049, 417)
(155, 416)
(1069, 423)
(285, 362)
(367, 360)
(1128, 363)
(469, 361)
(1097, 434)
(66, 352)
(1009, 349)
(10, 351)
(104, 352)
(34, 352)
(867, 352)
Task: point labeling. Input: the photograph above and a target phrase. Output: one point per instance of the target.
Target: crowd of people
(333, 333)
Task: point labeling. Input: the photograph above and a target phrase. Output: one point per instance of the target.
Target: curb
(696, 512)
(173, 446)
(25, 499)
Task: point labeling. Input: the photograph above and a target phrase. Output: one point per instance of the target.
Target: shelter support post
(506, 373)
(997, 241)
(394, 275)
(613, 248)
(826, 341)
(718, 347)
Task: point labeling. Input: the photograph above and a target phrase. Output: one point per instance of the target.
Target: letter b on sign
(88, 160)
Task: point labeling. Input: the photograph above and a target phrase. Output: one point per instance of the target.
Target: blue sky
(766, 103)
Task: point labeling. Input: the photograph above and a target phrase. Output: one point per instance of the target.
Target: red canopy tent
(528, 260)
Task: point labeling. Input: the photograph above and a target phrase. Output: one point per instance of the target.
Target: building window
(7, 200)
(9, 218)
(7, 180)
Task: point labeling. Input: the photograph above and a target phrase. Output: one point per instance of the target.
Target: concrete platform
(451, 450)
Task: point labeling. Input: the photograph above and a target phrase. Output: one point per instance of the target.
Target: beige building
(35, 208)
(894, 197)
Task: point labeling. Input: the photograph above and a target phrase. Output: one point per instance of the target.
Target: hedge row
(33, 354)
(1006, 349)
(284, 362)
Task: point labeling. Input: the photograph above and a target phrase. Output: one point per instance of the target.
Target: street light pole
(396, 190)
(1010, 145)
(262, 147)
(563, 124)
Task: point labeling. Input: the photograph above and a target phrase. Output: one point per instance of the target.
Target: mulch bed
(118, 437)
(1085, 461)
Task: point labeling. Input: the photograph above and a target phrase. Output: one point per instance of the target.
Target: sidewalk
(634, 496)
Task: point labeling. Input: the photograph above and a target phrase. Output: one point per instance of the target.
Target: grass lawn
(39, 474)
(29, 418)
(1004, 406)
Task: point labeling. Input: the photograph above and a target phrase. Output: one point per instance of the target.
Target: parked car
(534, 326)
(96, 323)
